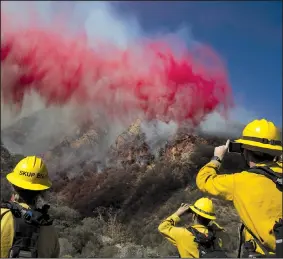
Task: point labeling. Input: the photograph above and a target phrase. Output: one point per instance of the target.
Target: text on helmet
(29, 174)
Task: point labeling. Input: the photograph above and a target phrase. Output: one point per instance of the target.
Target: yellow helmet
(30, 174)
(204, 207)
(263, 135)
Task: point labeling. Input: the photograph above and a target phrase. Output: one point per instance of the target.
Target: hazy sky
(248, 36)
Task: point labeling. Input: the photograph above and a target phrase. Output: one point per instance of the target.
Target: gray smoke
(158, 133)
(37, 129)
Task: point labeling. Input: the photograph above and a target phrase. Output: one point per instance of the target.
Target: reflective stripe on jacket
(255, 197)
(48, 243)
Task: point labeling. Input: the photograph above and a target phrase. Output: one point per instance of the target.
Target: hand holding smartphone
(235, 147)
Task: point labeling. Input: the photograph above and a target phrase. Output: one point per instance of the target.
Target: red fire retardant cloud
(147, 76)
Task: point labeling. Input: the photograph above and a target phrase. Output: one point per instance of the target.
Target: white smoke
(158, 133)
(99, 20)
(215, 124)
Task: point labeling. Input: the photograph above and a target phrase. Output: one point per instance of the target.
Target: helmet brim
(266, 148)
(28, 185)
(202, 214)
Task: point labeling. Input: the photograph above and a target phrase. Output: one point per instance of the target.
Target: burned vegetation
(112, 207)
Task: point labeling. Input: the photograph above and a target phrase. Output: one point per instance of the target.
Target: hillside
(113, 209)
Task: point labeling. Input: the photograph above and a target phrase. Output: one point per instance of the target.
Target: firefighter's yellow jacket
(255, 197)
(180, 237)
(48, 243)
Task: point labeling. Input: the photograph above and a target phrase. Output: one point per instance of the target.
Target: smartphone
(235, 147)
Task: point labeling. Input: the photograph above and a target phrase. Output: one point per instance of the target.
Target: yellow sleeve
(209, 181)
(7, 232)
(169, 230)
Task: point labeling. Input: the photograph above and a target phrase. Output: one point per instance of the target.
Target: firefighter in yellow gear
(29, 179)
(203, 216)
(256, 196)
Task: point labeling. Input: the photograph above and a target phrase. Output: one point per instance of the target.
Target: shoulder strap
(202, 238)
(32, 216)
(193, 231)
(241, 240)
(278, 232)
(269, 173)
(16, 209)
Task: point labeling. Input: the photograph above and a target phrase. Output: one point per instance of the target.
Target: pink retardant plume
(146, 77)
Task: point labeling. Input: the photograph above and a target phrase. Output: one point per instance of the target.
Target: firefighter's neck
(195, 219)
(16, 198)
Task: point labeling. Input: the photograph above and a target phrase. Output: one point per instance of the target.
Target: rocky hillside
(113, 209)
